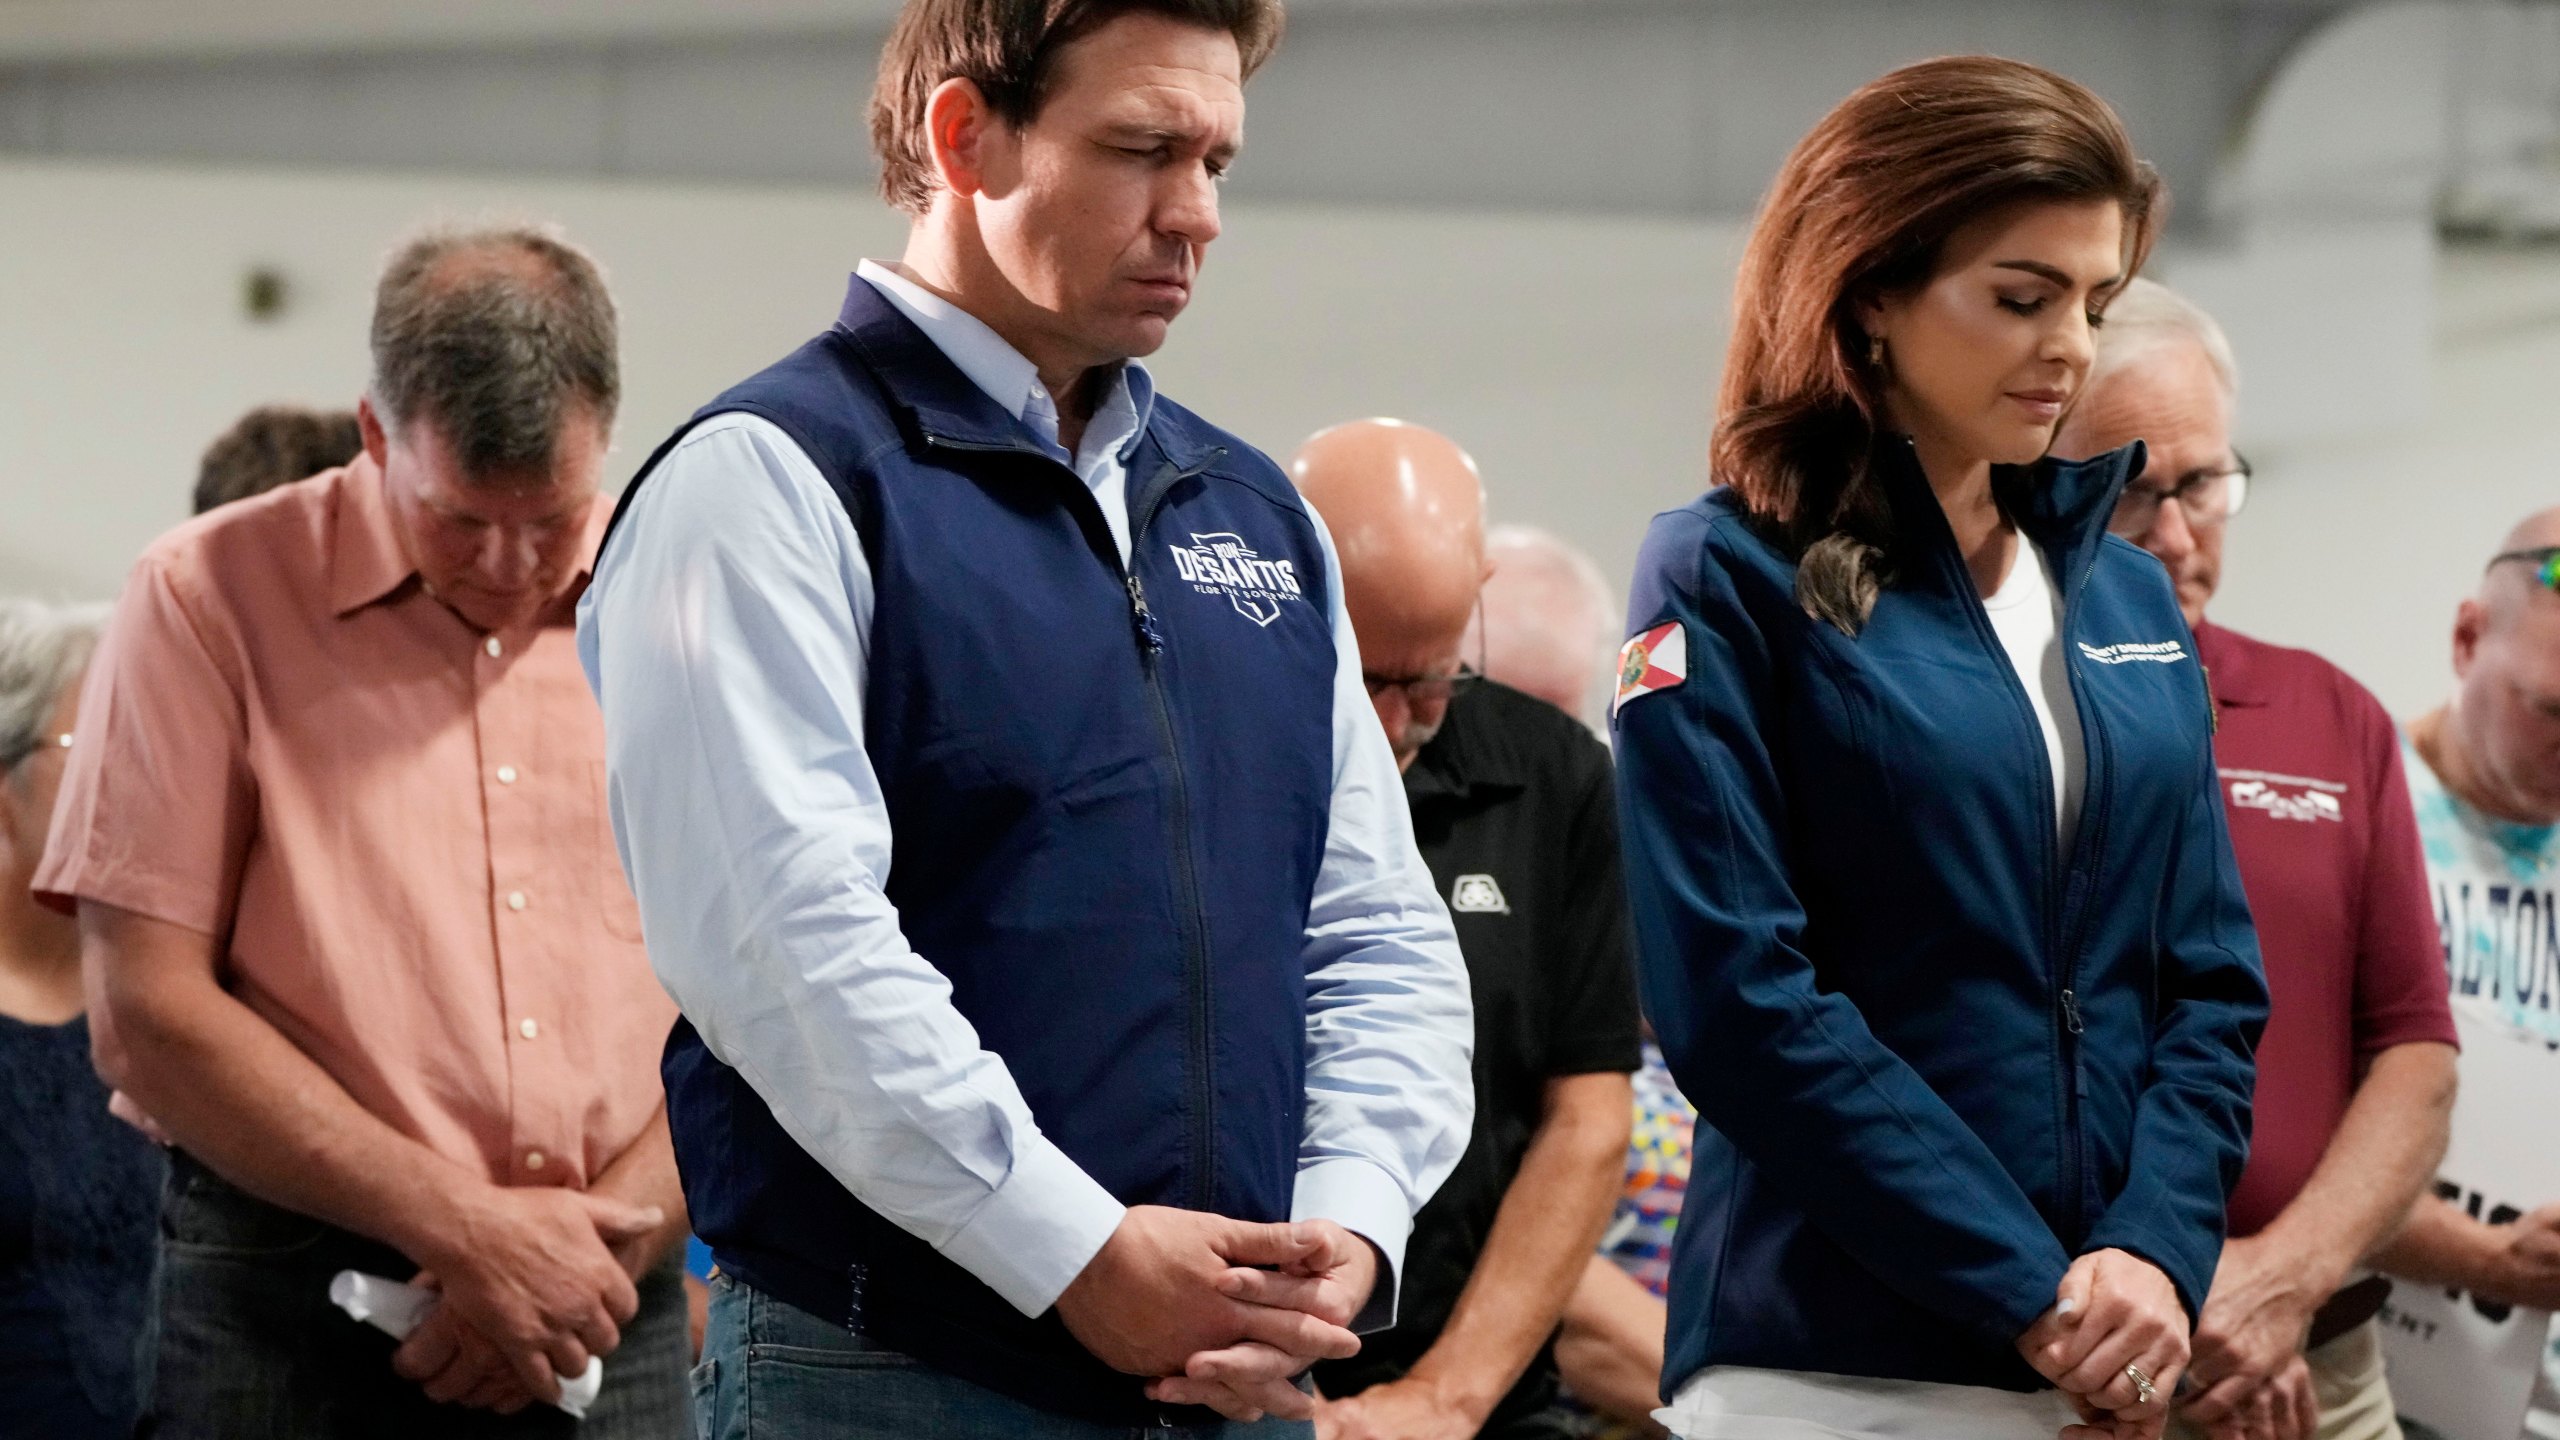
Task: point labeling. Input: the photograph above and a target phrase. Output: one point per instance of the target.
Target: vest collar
(948, 407)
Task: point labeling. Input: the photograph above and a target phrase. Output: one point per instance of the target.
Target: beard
(1408, 742)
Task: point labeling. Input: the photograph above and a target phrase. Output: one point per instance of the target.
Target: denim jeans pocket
(706, 1398)
(781, 1334)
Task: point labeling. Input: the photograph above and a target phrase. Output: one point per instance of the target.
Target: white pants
(1734, 1402)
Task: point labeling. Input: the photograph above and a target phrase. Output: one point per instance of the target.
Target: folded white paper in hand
(395, 1309)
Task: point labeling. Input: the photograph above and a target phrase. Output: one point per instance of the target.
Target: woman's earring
(1875, 351)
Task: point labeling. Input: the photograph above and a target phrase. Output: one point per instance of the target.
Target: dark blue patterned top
(79, 1232)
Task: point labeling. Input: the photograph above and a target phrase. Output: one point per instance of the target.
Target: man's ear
(377, 439)
(957, 121)
(2470, 623)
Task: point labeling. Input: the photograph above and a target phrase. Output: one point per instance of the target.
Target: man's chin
(1143, 334)
(494, 616)
(2193, 596)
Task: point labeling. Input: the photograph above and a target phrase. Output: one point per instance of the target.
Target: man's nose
(1190, 212)
(1393, 710)
(2172, 537)
(509, 560)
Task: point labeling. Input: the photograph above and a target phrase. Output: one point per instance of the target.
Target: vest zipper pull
(2071, 1012)
(1150, 639)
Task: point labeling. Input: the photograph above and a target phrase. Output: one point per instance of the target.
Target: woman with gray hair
(79, 1191)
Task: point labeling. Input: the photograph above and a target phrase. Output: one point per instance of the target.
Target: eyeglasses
(2545, 561)
(1425, 689)
(1435, 689)
(19, 756)
(2205, 497)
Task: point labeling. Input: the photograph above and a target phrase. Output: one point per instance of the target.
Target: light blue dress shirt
(726, 635)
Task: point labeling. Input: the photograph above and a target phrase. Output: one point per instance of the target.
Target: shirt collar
(366, 559)
(1463, 758)
(368, 562)
(1006, 375)
(2231, 669)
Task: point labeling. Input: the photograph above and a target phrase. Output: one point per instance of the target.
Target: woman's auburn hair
(1862, 208)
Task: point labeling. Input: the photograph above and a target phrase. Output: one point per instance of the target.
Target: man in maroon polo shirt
(2356, 1073)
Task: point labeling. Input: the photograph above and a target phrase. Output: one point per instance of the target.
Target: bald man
(1548, 622)
(2487, 788)
(1512, 807)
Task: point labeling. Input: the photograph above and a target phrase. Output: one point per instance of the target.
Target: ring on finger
(2144, 1392)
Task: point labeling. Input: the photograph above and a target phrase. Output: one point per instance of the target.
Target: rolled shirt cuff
(1365, 1200)
(1039, 1229)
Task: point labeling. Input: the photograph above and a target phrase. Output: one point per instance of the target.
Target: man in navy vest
(1071, 1027)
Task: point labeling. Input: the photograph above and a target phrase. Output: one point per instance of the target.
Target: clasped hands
(536, 1281)
(2112, 1310)
(1219, 1312)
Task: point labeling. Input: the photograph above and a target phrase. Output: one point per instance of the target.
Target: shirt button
(527, 1028)
(506, 774)
(493, 647)
(533, 1159)
(515, 899)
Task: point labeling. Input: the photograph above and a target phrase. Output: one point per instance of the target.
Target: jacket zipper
(1192, 920)
(2060, 878)
(1195, 951)
(2089, 842)
(1195, 942)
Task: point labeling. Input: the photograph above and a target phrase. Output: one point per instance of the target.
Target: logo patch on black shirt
(1478, 895)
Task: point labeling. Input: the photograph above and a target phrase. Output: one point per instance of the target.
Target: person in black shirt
(1514, 810)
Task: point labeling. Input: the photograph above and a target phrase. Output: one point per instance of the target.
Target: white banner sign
(2463, 1365)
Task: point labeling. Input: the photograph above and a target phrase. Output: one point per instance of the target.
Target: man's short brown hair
(1009, 49)
(274, 445)
(495, 336)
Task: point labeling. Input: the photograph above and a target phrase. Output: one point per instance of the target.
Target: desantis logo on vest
(1222, 564)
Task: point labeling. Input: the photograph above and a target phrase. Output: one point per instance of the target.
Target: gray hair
(43, 649)
(494, 335)
(2147, 317)
(1548, 605)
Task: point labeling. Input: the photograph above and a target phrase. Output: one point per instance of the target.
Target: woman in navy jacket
(1938, 922)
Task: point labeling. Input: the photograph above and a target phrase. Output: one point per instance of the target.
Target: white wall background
(1575, 356)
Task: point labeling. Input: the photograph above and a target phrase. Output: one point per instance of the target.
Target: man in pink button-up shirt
(354, 930)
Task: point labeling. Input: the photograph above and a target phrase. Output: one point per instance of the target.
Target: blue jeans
(770, 1372)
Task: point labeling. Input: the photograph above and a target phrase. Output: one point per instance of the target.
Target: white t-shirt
(2491, 879)
(2026, 612)
(1739, 1402)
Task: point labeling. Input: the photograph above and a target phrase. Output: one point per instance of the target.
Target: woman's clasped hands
(2115, 1341)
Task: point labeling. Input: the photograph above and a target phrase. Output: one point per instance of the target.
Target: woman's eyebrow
(2058, 276)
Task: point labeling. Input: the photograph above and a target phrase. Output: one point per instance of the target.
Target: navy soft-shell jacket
(1937, 1052)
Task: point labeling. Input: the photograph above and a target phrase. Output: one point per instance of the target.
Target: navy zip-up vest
(1108, 792)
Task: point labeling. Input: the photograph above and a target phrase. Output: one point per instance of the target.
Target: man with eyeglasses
(2487, 786)
(2356, 1070)
(1514, 811)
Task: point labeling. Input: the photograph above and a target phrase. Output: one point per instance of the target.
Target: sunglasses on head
(2545, 561)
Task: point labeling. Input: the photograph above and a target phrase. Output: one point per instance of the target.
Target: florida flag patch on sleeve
(1655, 660)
